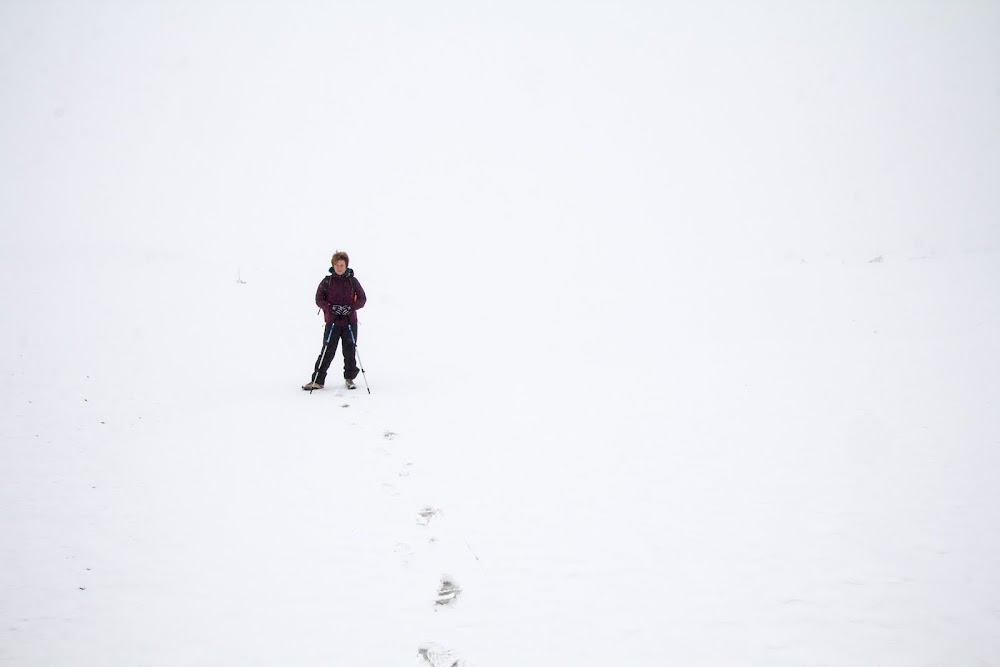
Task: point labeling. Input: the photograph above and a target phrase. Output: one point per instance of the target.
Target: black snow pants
(331, 334)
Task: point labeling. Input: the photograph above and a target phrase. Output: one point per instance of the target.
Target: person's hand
(340, 310)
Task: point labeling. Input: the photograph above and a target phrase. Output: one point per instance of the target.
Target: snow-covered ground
(681, 335)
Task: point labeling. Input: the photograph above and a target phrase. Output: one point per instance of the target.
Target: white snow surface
(681, 337)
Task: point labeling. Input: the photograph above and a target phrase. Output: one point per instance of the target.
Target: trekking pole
(322, 356)
(360, 363)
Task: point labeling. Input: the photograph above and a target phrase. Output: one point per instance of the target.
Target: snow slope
(637, 387)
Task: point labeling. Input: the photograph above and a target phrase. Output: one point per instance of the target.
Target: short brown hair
(340, 255)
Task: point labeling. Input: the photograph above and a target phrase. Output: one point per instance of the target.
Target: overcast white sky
(778, 128)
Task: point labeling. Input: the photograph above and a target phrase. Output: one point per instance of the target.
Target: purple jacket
(342, 290)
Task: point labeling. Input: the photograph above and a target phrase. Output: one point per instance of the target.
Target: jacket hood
(349, 273)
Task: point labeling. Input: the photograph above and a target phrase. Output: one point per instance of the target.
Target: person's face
(340, 267)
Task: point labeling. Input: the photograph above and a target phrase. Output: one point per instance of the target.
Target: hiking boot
(309, 386)
(350, 383)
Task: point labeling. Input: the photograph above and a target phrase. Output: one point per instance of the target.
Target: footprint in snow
(389, 435)
(404, 551)
(439, 656)
(425, 515)
(448, 591)
(390, 490)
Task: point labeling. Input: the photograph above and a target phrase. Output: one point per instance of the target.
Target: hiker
(339, 296)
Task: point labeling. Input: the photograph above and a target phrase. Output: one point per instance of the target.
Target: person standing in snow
(339, 296)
